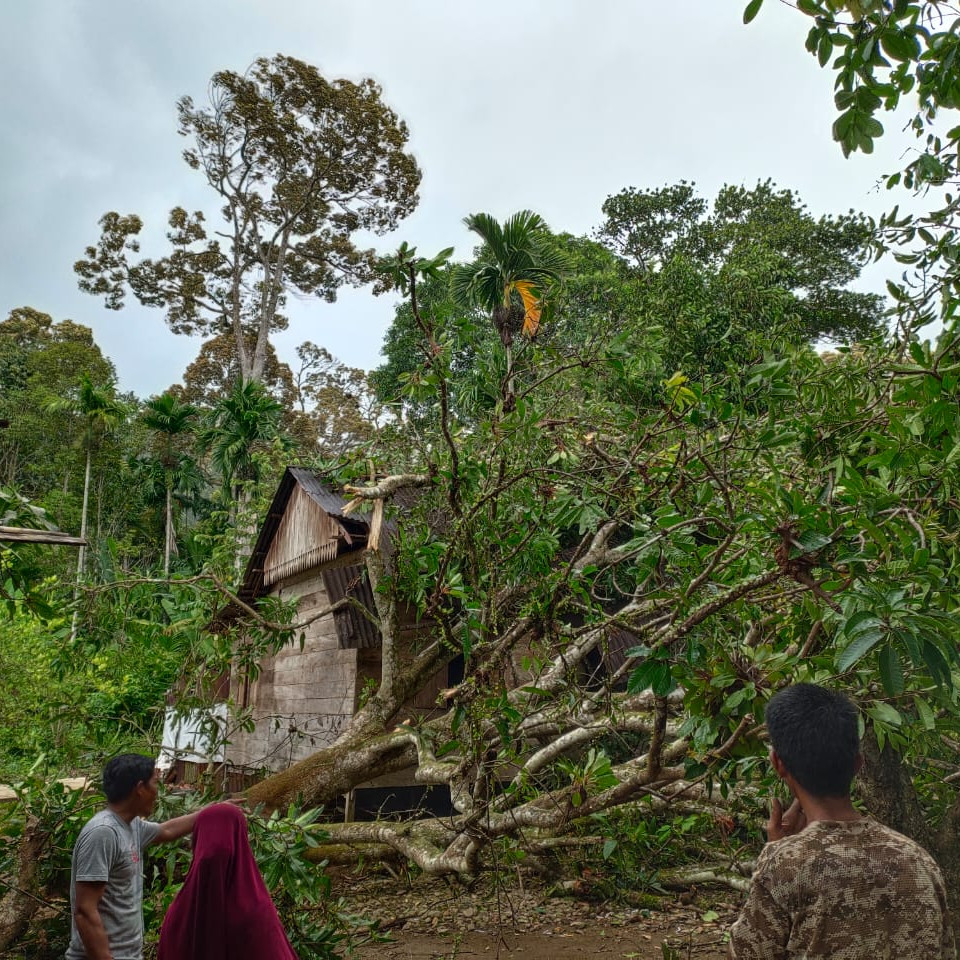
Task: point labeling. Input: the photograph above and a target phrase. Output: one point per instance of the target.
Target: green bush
(70, 719)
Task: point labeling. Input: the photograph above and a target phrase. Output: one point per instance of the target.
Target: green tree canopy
(299, 164)
(759, 254)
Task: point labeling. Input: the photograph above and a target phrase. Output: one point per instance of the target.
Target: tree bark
(168, 530)
(82, 556)
(890, 797)
(20, 902)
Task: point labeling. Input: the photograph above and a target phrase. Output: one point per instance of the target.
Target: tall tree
(338, 401)
(299, 164)
(170, 420)
(757, 252)
(40, 358)
(98, 410)
(216, 371)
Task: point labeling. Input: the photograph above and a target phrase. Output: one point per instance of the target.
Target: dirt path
(433, 920)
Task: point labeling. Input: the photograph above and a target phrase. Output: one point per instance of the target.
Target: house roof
(353, 528)
(352, 531)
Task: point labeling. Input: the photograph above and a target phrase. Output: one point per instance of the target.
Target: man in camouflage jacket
(832, 883)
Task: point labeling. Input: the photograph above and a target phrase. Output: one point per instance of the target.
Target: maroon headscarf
(223, 911)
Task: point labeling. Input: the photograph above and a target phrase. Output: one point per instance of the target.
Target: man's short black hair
(123, 773)
(815, 733)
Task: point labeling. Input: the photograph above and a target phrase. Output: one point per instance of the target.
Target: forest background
(685, 424)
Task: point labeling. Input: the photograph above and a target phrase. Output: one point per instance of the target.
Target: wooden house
(302, 698)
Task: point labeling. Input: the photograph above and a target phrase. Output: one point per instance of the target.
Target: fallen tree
(630, 570)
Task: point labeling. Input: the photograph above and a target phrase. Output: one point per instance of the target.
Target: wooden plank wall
(302, 700)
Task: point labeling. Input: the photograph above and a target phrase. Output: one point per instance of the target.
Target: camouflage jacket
(845, 891)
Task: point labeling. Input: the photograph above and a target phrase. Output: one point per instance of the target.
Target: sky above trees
(549, 105)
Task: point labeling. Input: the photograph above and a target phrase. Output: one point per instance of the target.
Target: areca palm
(243, 422)
(186, 483)
(99, 411)
(170, 419)
(517, 271)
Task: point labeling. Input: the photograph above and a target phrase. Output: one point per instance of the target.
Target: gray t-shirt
(110, 850)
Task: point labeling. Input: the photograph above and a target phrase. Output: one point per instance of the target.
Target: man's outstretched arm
(180, 826)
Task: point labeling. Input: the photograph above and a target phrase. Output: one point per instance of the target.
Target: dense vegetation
(685, 427)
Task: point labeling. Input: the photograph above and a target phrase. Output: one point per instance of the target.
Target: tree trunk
(20, 901)
(82, 555)
(890, 797)
(168, 529)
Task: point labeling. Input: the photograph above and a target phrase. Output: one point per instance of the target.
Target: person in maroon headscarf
(223, 911)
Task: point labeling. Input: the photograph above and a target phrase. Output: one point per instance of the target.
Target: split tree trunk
(890, 796)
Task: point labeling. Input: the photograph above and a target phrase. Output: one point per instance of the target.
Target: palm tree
(99, 411)
(187, 485)
(517, 270)
(169, 418)
(243, 422)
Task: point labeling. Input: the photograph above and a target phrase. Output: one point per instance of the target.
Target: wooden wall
(302, 699)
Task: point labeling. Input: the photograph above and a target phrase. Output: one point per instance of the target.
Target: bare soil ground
(430, 920)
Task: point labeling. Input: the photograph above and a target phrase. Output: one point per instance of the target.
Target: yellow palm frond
(532, 305)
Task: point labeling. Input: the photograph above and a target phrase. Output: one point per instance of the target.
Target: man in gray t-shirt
(106, 875)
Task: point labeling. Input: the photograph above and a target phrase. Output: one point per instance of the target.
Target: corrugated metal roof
(332, 502)
(353, 529)
(354, 630)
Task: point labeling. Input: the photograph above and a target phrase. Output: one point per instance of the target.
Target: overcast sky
(546, 104)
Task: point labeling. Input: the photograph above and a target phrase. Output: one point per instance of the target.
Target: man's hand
(787, 824)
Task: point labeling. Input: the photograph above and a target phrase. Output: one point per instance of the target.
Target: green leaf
(651, 675)
(809, 541)
(753, 8)
(865, 640)
(891, 672)
(884, 713)
(936, 663)
(861, 620)
(926, 714)
(899, 45)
